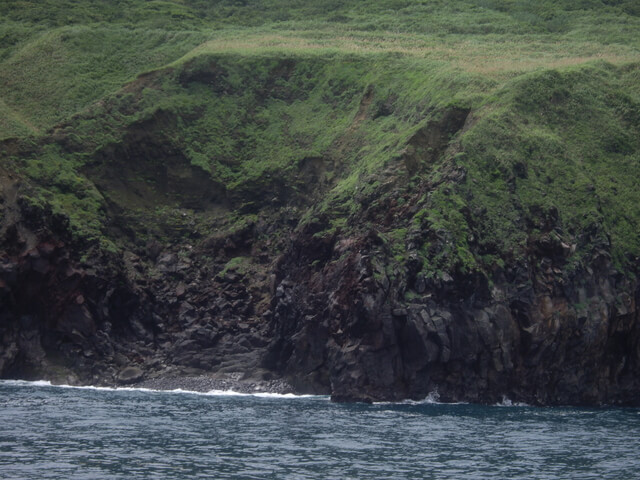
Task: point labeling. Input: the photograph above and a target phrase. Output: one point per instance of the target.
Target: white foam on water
(287, 395)
(233, 393)
(210, 393)
(507, 402)
(433, 398)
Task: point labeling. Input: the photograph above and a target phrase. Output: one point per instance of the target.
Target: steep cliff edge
(367, 224)
(531, 332)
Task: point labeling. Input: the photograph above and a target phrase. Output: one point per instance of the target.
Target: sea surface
(49, 432)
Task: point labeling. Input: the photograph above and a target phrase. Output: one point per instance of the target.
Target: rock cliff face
(73, 316)
(333, 314)
(530, 333)
(445, 261)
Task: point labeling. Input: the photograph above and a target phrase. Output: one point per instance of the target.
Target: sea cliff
(373, 215)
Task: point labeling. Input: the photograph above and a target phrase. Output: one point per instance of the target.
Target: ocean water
(51, 432)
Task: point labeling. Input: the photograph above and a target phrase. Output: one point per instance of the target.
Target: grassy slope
(58, 57)
(553, 87)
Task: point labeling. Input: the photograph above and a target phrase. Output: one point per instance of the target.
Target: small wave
(233, 393)
(210, 393)
(47, 383)
(507, 402)
(433, 398)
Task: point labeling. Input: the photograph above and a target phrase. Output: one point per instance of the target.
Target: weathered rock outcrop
(532, 332)
(79, 316)
(338, 316)
(334, 314)
(406, 249)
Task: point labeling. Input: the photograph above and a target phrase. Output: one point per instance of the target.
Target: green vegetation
(56, 58)
(223, 109)
(560, 139)
(235, 264)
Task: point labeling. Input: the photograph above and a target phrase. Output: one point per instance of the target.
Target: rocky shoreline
(207, 383)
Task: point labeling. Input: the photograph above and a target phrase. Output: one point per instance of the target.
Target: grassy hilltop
(477, 120)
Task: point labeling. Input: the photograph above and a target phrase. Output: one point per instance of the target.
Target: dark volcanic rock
(334, 318)
(348, 330)
(277, 304)
(130, 375)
